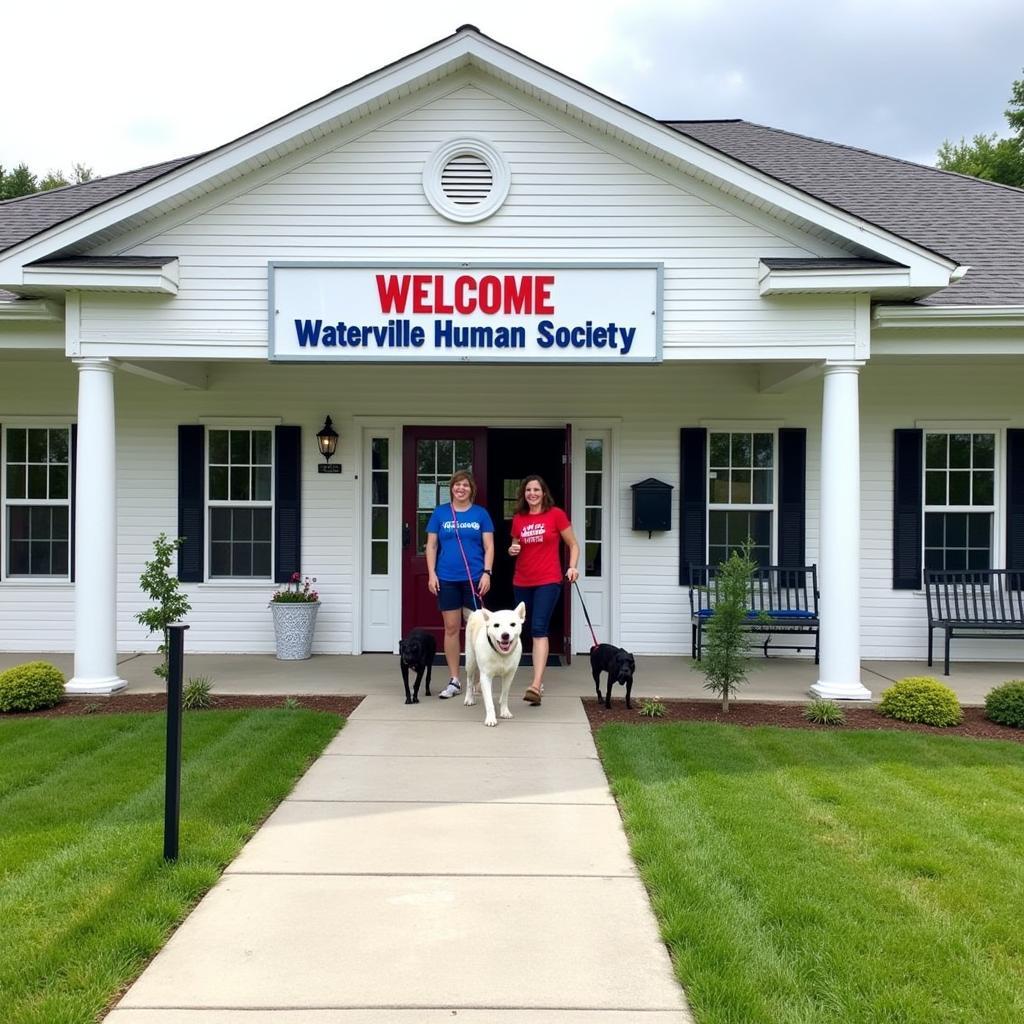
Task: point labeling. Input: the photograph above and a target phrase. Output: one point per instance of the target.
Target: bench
(974, 601)
(782, 602)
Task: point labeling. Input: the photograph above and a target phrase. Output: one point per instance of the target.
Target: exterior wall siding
(650, 404)
(576, 196)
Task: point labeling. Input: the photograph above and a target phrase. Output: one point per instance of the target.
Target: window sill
(29, 581)
(267, 584)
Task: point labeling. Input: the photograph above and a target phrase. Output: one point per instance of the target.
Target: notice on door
(346, 313)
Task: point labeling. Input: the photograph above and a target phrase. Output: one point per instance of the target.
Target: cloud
(116, 92)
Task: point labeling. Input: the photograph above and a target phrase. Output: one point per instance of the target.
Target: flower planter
(294, 623)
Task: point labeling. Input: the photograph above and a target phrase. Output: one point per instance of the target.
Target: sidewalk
(426, 869)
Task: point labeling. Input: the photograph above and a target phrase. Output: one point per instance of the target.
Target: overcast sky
(118, 85)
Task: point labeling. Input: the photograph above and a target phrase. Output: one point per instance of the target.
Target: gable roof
(876, 200)
(978, 223)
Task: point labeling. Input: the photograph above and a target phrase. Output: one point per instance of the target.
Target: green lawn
(85, 896)
(820, 877)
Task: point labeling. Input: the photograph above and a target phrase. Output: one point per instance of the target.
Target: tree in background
(988, 156)
(22, 182)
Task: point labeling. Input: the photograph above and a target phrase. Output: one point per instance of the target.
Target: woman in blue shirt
(450, 567)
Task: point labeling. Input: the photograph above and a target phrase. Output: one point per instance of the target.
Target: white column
(95, 533)
(839, 672)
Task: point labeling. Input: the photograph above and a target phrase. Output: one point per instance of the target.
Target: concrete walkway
(427, 869)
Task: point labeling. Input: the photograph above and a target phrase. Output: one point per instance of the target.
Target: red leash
(477, 599)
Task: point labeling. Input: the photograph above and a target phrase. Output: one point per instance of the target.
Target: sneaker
(451, 690)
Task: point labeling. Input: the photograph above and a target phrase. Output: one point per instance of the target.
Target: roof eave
(929, 270)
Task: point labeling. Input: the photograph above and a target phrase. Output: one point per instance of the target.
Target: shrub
(1005, 704)
(921, 699)
(824, 712)
(726, 648)
(198, 694)
(161, 586)
(31, 687)
(652, 708)
(291, 704)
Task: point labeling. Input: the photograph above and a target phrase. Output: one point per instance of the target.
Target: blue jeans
(540, 603)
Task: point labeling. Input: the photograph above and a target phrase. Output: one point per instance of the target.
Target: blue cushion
(788, 613)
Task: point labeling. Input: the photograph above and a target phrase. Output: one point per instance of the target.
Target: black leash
(575, 583)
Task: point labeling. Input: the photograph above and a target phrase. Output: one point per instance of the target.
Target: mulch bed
(790, 716)
(157, 702)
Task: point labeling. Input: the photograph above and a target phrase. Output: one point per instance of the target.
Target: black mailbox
(652, 505)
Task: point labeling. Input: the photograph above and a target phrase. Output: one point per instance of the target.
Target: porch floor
(782, 679)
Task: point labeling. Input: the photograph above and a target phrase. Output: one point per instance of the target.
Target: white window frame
(773, 508)
(998, 559)
(211, 503)
(34, 423)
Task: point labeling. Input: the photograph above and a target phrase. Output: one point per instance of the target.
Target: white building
(777, 327)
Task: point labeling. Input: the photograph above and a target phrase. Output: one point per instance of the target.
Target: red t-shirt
(538, 538)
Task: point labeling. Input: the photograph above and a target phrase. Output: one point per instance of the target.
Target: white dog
(493, 650)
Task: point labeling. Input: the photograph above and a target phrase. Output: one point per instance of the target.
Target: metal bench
(782, 602)
(974, 601)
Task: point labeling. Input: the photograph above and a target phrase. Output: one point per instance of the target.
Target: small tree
(163, 588)
(725, 661)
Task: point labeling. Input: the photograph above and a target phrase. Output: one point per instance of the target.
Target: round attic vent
(466, 180)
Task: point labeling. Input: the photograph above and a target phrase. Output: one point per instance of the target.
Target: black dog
(416, 652)
(619, 665)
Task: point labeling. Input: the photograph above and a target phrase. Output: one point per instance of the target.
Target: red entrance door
(430, 455)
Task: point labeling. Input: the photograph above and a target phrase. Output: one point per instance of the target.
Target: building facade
(467, 259)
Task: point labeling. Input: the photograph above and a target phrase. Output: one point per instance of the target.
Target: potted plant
(294, 609)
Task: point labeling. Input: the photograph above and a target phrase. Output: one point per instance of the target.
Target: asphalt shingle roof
(974, 222)
(27, 216)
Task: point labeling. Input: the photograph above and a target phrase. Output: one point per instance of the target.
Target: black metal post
(172, 777)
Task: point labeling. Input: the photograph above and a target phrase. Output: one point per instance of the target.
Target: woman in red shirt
(537, 528)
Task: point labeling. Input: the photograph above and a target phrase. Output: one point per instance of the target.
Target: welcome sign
(605, 313)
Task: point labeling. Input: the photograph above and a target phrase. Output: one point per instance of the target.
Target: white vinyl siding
(650, 405)
(576, 196)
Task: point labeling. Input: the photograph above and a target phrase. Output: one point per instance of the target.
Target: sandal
(532, 695)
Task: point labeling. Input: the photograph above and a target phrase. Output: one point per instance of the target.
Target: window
(741, 494)
(240, 470)
(959, 499)
(379, 506)
(437, 460)
(593, 486)
(37, 498)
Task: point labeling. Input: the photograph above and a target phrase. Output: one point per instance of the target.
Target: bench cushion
(788, 613)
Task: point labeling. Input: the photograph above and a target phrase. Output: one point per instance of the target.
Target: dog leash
(575, 583)
(477, 599)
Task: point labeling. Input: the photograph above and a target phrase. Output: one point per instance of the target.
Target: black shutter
(191, 502)
(792, 530)
(908, 451)
(1015, 507)
(287, 503)
(74, 501)
(693, 500)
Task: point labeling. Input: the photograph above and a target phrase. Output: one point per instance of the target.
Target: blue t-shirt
(473, 524)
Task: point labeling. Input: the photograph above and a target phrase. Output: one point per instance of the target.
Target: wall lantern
(327, 442)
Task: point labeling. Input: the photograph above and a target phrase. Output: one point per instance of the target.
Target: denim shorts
(455, 595)
(540, 603)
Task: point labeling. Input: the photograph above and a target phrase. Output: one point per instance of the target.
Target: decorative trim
(31, 309)
(887, 317)
(120, 279)
(466, 145)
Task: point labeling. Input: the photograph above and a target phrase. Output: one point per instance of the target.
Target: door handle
(406, 535)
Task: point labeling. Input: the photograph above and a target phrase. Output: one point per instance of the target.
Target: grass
(830, 878)
(85, 895)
